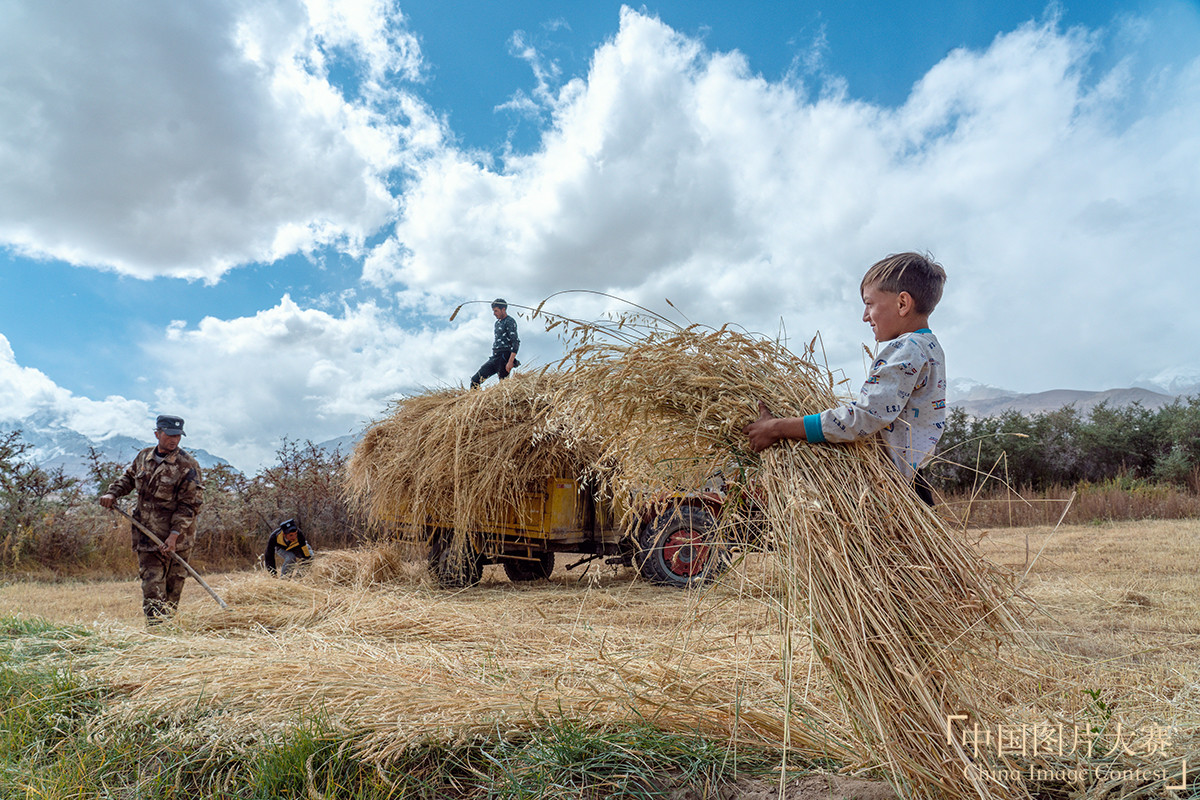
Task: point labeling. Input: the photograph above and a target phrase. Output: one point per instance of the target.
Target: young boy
(904, 397)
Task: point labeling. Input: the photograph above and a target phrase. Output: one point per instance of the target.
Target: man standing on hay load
(904, 397)
(169, 494)
(504, 347)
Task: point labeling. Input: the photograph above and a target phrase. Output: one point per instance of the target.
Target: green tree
(1052, 453)
(1178, 447)
(305, 484)
(1122, 440)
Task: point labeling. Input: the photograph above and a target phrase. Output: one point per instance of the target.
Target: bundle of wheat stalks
(895, 601)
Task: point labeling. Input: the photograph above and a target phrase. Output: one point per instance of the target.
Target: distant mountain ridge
(343, 444)
(980, 400)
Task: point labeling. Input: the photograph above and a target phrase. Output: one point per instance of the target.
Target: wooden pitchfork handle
(178, 558)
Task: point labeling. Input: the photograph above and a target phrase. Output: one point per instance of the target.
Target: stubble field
(369, 645)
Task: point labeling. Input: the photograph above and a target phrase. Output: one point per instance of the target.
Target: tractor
(672, 542)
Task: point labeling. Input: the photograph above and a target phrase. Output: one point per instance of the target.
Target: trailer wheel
(519, 570)
(677, 548)
(453, 570)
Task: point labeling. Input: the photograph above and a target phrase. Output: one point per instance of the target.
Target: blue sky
(259, 216)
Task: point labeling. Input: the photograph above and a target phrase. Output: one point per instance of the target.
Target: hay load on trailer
(512, 475)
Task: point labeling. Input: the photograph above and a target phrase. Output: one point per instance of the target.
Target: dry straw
(398, 667)
(459, 460)
(896, 602)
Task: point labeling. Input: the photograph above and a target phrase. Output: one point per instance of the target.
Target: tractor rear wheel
(519, 570)
(677, 548)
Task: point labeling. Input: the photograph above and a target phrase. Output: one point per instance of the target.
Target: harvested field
(399, 661)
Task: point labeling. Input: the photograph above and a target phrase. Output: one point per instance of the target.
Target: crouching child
(286, 545)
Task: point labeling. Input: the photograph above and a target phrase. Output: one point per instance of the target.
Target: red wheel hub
(685, 552)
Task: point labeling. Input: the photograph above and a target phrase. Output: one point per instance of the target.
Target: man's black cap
(288, 525)
(171, 426)
(499, 302)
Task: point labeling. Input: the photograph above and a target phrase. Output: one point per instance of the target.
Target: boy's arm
(769, 429)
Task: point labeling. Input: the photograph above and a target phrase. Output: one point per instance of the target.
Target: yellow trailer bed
(673, 547)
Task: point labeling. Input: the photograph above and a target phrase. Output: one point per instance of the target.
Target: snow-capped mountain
(343, 444)
(53, 445)
(1183, 381)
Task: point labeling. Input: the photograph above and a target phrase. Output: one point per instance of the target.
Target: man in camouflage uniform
(504, 346)
(169, 494)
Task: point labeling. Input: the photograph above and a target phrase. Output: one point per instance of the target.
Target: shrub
(49, 522)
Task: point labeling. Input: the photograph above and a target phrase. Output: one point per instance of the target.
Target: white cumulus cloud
(1052, 167)
(185, 139)
(245, 383)
(26, 392)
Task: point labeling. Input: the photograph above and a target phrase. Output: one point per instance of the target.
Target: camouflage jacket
(506, 340)
(169, 494)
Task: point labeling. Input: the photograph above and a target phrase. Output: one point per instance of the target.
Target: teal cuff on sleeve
(812, 428)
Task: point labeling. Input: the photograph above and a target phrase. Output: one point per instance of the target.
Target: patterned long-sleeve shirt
(169, 494)
(506, 340)
(903, 400)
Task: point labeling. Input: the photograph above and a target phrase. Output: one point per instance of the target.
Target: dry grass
(399, 662)
(1117, 641)
(891, 598)
(79, 601)
(408, 662)
(1129, 591)
(1105, 502)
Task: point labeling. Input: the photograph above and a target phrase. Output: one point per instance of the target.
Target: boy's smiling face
(888, 313)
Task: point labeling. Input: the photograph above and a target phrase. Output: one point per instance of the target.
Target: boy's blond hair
(917, 274)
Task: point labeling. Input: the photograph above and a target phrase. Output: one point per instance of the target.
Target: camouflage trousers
(162, 584)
